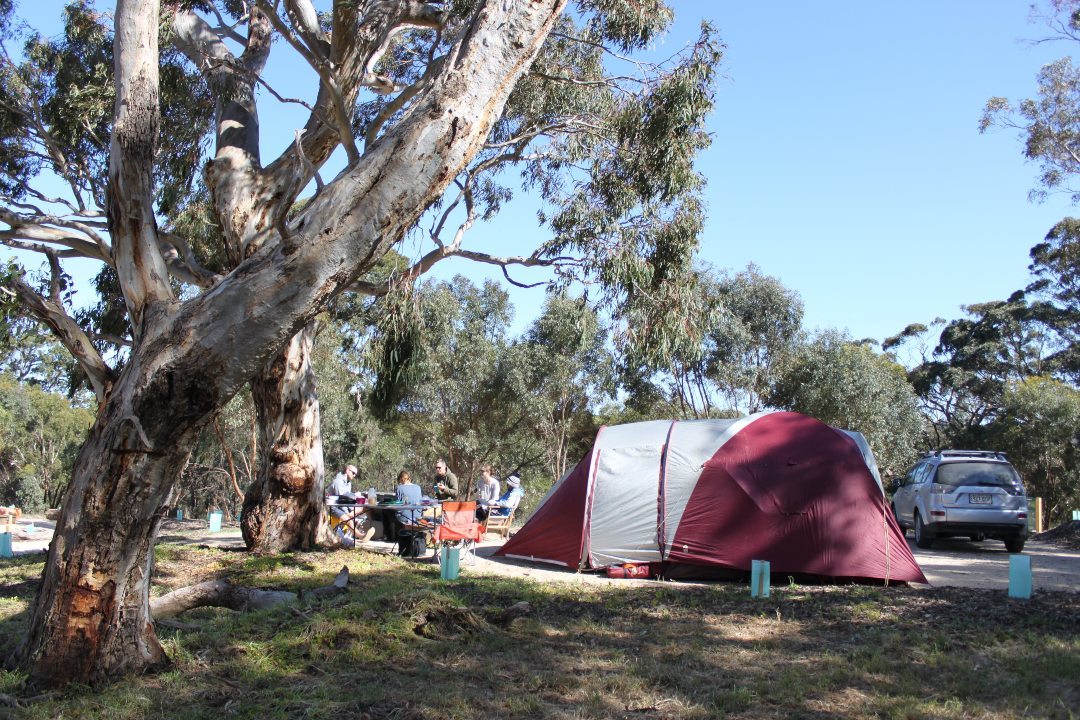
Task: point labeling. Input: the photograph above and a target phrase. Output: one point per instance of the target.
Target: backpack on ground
(411, 544)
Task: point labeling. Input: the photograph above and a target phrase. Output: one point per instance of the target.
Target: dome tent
(705, 497)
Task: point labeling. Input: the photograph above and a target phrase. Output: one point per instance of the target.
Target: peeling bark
(91, 621)
(137, 259)
(283, 509)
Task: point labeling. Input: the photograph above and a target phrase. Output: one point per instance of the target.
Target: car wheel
(1014, 544)
(977, 537)
(923, 538)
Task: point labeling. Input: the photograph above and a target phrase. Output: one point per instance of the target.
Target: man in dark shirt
(446, 483)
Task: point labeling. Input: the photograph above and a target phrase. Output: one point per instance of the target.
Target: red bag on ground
(630, 570)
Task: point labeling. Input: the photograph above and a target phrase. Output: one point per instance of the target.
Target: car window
(978, 474)
(909, 477)
(922, 473)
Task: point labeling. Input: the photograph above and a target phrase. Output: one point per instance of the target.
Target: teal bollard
(451, 558)
(179, 514)
(5, 545)
(1020, 576)
(1076, 514)
(215, 520)
(759, 578)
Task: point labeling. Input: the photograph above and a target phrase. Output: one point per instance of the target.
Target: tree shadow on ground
(401, 643)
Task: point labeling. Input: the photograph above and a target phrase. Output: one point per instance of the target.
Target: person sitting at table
(487, 492)
(409, 493)
(340, 493)
(446, 484)
(509, 500)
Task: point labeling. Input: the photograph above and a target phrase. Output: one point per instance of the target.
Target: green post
(1020, 576)
(759, 578)
(5, 544)
(215, 520)
(451, 557)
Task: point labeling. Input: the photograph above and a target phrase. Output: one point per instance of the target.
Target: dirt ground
(1055, 557)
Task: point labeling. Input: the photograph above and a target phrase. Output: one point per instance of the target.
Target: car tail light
(1021, 516)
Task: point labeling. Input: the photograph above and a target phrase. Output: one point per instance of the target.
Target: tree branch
(139, 265)
(68, 332)
(222, 593)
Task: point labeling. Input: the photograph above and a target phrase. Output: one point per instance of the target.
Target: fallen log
(508, 615)
(222, 593)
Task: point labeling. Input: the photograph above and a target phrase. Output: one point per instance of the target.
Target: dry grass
(404, 644)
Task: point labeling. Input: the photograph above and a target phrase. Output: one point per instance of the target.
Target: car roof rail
(990, 454)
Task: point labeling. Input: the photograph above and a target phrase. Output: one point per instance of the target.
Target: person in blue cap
(509, 500)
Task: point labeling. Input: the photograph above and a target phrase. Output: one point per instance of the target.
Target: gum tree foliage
(30, 354)
(561, 370)
(462, 405)
(40, 433)
(962, 383)
(746, 324)
(573, 126)
(759, 327)
(1049, 125)
(1040, 430)
(471, 394)
(1055, 266)
(417, 99)
(849, 386)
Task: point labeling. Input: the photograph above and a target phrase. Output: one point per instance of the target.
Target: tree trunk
(92, 620)
(283, 508)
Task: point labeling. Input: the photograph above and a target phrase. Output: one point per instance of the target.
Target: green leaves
(849, 386)
(1049, 123)
(40, 434)
(628, 24)
(1041, 424)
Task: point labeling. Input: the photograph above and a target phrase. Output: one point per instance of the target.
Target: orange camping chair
(459, 526)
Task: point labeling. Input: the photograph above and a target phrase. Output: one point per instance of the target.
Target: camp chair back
(499, 524)
(459, 526)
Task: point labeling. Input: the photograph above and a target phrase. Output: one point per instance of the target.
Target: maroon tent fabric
(781, 487)
(794, 491)
(557, 528)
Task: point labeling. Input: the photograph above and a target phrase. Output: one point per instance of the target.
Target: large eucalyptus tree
(418, 97)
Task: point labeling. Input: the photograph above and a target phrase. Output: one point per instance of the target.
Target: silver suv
(962, 492)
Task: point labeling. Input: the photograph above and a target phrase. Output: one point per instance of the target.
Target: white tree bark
(91, 620)
(139, 265)
(283, 509)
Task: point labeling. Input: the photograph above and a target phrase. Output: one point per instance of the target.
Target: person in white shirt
(341, 493)
(487, 492)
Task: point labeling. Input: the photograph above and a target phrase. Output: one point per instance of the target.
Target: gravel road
(962, 563)
(952, 562)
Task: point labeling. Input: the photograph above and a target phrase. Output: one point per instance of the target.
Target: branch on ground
(222, 593)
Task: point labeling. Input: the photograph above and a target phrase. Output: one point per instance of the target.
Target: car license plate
(979, 499)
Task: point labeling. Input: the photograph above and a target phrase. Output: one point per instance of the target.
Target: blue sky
(847, 162)
(846, 157)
